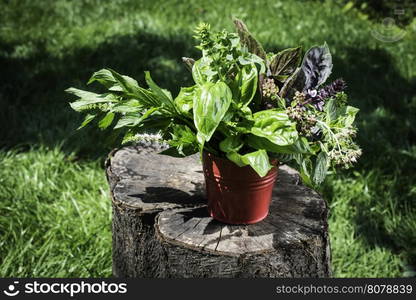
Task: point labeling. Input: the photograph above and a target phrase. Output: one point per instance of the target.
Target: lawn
(55, 214)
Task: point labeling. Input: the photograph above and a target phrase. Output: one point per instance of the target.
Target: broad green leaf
(275, 125)
(285, 62)
(236, 158)
(231, 144)
(246, 84)
(87, 120)
(148, 98)
(197, 73)
(247, 40)
(184, 100)
(258, 160)
(106, 121)
(210, 104)
(321, 168)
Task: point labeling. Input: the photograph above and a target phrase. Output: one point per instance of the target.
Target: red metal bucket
(236, 195)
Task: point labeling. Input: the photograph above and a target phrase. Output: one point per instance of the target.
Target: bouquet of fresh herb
(246, 105)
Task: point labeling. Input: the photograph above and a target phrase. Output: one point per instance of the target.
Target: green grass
(54, 207)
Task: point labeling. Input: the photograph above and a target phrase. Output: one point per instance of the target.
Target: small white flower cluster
(345, 157)
(270, 89)
(346, 133)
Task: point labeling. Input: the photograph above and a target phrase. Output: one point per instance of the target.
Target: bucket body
(236, 195)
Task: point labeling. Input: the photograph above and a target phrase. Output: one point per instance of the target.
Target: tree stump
(161, 227)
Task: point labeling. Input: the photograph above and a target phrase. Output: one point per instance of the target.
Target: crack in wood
(219, 238)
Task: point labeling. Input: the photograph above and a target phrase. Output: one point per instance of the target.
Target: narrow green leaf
(106, 121)
(106, 78)
(134, 119)
(127, 84)
(128, 106)
(331, 110)
(87, 120)
(164, 96)
(198, 73)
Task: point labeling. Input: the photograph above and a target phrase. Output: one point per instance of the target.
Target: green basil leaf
(236, 158)
(285, 62)
(231, 144)
(275, 125)
(197, 72)
(305, 171)
(210, 104)
(300, 146)
(258, 160)
(321, 168)
(248, 78)
(184, 100)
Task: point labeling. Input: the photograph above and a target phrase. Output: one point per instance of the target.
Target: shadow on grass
(386, 134)
(34, 107)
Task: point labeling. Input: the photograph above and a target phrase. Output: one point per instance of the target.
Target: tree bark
(161, 227)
